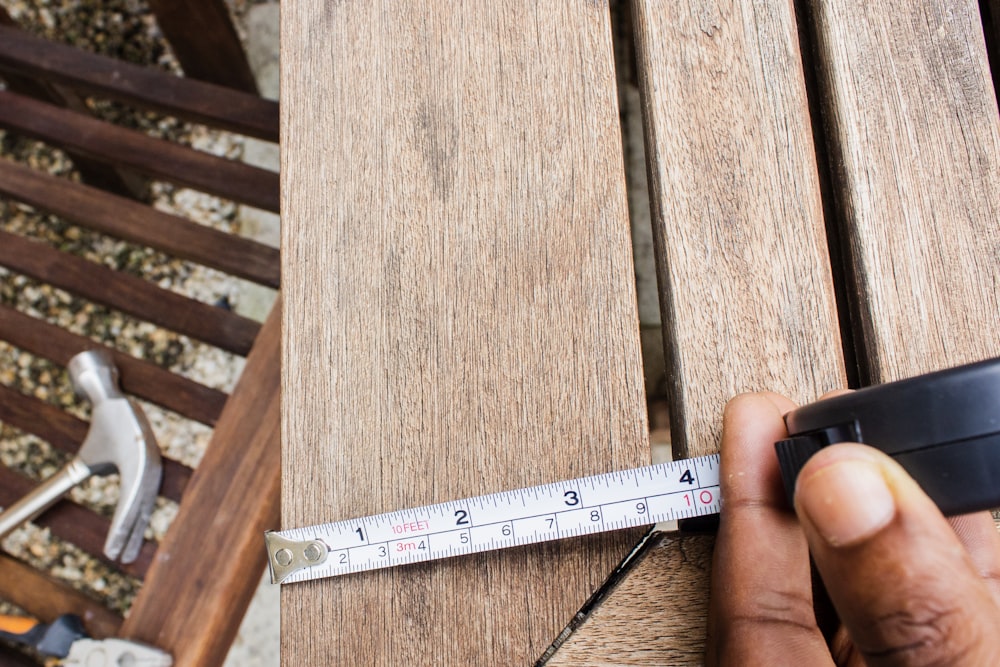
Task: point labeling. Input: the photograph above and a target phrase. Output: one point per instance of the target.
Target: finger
(906, 589)
(761, 597)
(978, 534)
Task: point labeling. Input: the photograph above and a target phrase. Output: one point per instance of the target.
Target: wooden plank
(45, 598)
(672, 630)
(122, 147)
(27, 55)
(139, 378)
(139, 223)
(915, 140)
(73, 523)
(66, 433)
(204, 41)
(460, 308)
(210, 561)
(746, 288)
(128, 293)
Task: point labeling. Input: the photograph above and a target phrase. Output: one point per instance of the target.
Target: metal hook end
(285, 556)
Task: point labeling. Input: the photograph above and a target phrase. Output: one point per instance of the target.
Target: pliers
(66, 640)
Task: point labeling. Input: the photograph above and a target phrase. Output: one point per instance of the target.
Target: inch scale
(599, 503)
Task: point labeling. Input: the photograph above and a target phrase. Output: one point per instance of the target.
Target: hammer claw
(119, 439)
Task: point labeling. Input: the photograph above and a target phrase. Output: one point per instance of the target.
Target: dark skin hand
(909, 586)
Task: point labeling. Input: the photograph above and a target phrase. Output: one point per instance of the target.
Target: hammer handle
(43, 496)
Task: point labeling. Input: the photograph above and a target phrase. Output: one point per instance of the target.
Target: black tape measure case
(943, 428)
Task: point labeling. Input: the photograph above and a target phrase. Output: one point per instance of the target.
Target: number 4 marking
(687, 477)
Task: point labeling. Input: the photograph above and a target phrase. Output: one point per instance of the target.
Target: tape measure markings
(553, 511)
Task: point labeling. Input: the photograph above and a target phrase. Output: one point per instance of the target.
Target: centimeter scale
(595, 504)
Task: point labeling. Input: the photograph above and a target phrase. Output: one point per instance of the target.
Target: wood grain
(745, 283)
(915, 137)
(206, 569)
(460, 310)
(669, 584)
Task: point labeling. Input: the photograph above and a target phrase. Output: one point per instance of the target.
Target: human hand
(909, 586)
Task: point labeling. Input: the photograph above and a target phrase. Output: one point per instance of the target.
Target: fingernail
(847, 501)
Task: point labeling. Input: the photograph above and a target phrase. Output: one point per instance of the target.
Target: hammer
(119, 439)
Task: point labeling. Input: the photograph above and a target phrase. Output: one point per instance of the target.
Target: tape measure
(942, 427)
(596, 504)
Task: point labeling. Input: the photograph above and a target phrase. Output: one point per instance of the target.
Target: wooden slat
(460, 308)
(66, 433)
(104, 176)
(210, 561)
(746, 289)
(119, 146)
(46, 599)
(915, 139)
(140, 224)
(202, 37)
(139, 378)
(27, 55)
(676, 607)
(73, 523)
(130, 294)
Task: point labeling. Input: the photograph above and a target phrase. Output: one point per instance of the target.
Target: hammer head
(121, 440)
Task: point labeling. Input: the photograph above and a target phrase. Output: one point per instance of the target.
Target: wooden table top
(459, 293)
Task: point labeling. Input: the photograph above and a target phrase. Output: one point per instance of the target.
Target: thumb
(906, 589)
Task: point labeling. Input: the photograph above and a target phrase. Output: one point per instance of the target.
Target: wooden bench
(197, 582)
(460, 308)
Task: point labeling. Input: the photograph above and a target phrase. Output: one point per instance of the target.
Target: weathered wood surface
(460, 311)
(746, 288)
(674, 608)
(915, 137)
(914, 132)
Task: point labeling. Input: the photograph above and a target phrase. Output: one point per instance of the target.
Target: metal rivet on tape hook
(285, 556)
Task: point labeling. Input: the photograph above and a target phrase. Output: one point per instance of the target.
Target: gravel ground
(124, 29)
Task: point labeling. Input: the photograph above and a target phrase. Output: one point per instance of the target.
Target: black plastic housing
(943, 428)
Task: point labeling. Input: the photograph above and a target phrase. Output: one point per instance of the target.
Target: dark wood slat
(66, 433)
(189, 99)
(232, 499)
(202, 37)
(73, 523)
(132, 221)
(128, 293)
(45, 598)
(101, 175)
(122, 147)
(139, 378)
